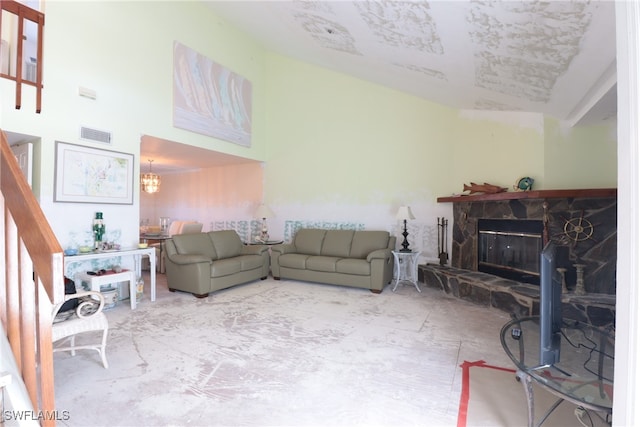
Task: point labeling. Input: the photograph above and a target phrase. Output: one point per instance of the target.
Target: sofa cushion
(322, 263)
(337, 243)
(298, 261)
(309, 241)
(225, 267)
(360, 267)
(226, 242)
(365, 242)
(194, 244)
(249, 262)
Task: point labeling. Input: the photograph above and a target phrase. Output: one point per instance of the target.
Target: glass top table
(584, 373)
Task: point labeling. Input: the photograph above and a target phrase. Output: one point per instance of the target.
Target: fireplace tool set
(442, 240)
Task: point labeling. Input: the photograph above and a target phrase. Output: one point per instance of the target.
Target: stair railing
(31, 281)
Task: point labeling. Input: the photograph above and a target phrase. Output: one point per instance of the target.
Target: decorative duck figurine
(524, 184)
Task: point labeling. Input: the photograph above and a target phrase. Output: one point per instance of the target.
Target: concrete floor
(281, 353)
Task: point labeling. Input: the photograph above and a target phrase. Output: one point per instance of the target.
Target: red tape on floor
(464, 394)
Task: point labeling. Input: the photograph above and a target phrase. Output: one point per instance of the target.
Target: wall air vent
(95, 135)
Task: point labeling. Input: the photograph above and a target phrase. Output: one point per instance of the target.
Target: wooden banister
(32, 280)
(22, 12)
(43, 246)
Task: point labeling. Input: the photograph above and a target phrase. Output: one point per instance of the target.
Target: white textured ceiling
(556, 58)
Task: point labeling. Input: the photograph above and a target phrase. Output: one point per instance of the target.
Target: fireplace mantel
(540, 194)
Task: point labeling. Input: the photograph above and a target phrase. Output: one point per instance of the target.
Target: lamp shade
(404, 212)
(264, 211)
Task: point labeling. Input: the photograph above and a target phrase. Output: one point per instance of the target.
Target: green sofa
(361, 259)
(201, 263)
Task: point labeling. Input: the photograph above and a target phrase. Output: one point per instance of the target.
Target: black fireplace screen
(510, 248)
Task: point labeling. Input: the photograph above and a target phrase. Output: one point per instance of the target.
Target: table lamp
(264, 212)
(404, 213)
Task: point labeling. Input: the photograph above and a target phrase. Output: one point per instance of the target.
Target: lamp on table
(264, 212)
(404, 213)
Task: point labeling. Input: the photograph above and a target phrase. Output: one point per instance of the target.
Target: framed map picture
(210, 99)
(91, 175)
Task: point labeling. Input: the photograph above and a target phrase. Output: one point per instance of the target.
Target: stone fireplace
(559, 215)
(496, 239)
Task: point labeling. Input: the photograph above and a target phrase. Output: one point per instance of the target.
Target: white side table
(137, 255)
(106, 279)
(406, 266)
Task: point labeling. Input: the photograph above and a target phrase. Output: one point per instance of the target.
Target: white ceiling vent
(95, 135)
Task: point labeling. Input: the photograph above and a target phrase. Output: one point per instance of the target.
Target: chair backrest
(175, 227)
(191, 228)
(178, 227)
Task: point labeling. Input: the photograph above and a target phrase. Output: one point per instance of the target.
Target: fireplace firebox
(510, 248)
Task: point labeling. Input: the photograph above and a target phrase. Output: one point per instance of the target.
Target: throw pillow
(69, 289)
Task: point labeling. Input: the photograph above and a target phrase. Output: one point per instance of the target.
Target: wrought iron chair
(86, 317)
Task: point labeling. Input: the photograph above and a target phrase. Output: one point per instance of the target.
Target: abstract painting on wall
(210, 99)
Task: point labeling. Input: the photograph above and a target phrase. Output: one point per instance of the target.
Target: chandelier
(150, 182)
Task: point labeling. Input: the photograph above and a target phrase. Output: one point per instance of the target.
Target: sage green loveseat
(201, 263)
(361, 259)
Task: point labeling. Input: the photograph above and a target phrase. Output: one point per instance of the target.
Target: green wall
(331, 136)
(335, 138)
(498, 148)
(580, 157)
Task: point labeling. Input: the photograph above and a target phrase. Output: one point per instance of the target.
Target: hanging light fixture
(150, 182)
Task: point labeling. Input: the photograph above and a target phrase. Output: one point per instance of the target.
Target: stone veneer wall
(597, 253)
(514, 297)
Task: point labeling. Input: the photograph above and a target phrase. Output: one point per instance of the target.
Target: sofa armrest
(183, 259)
(379, 254)
(276, 251)
(254, 249)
